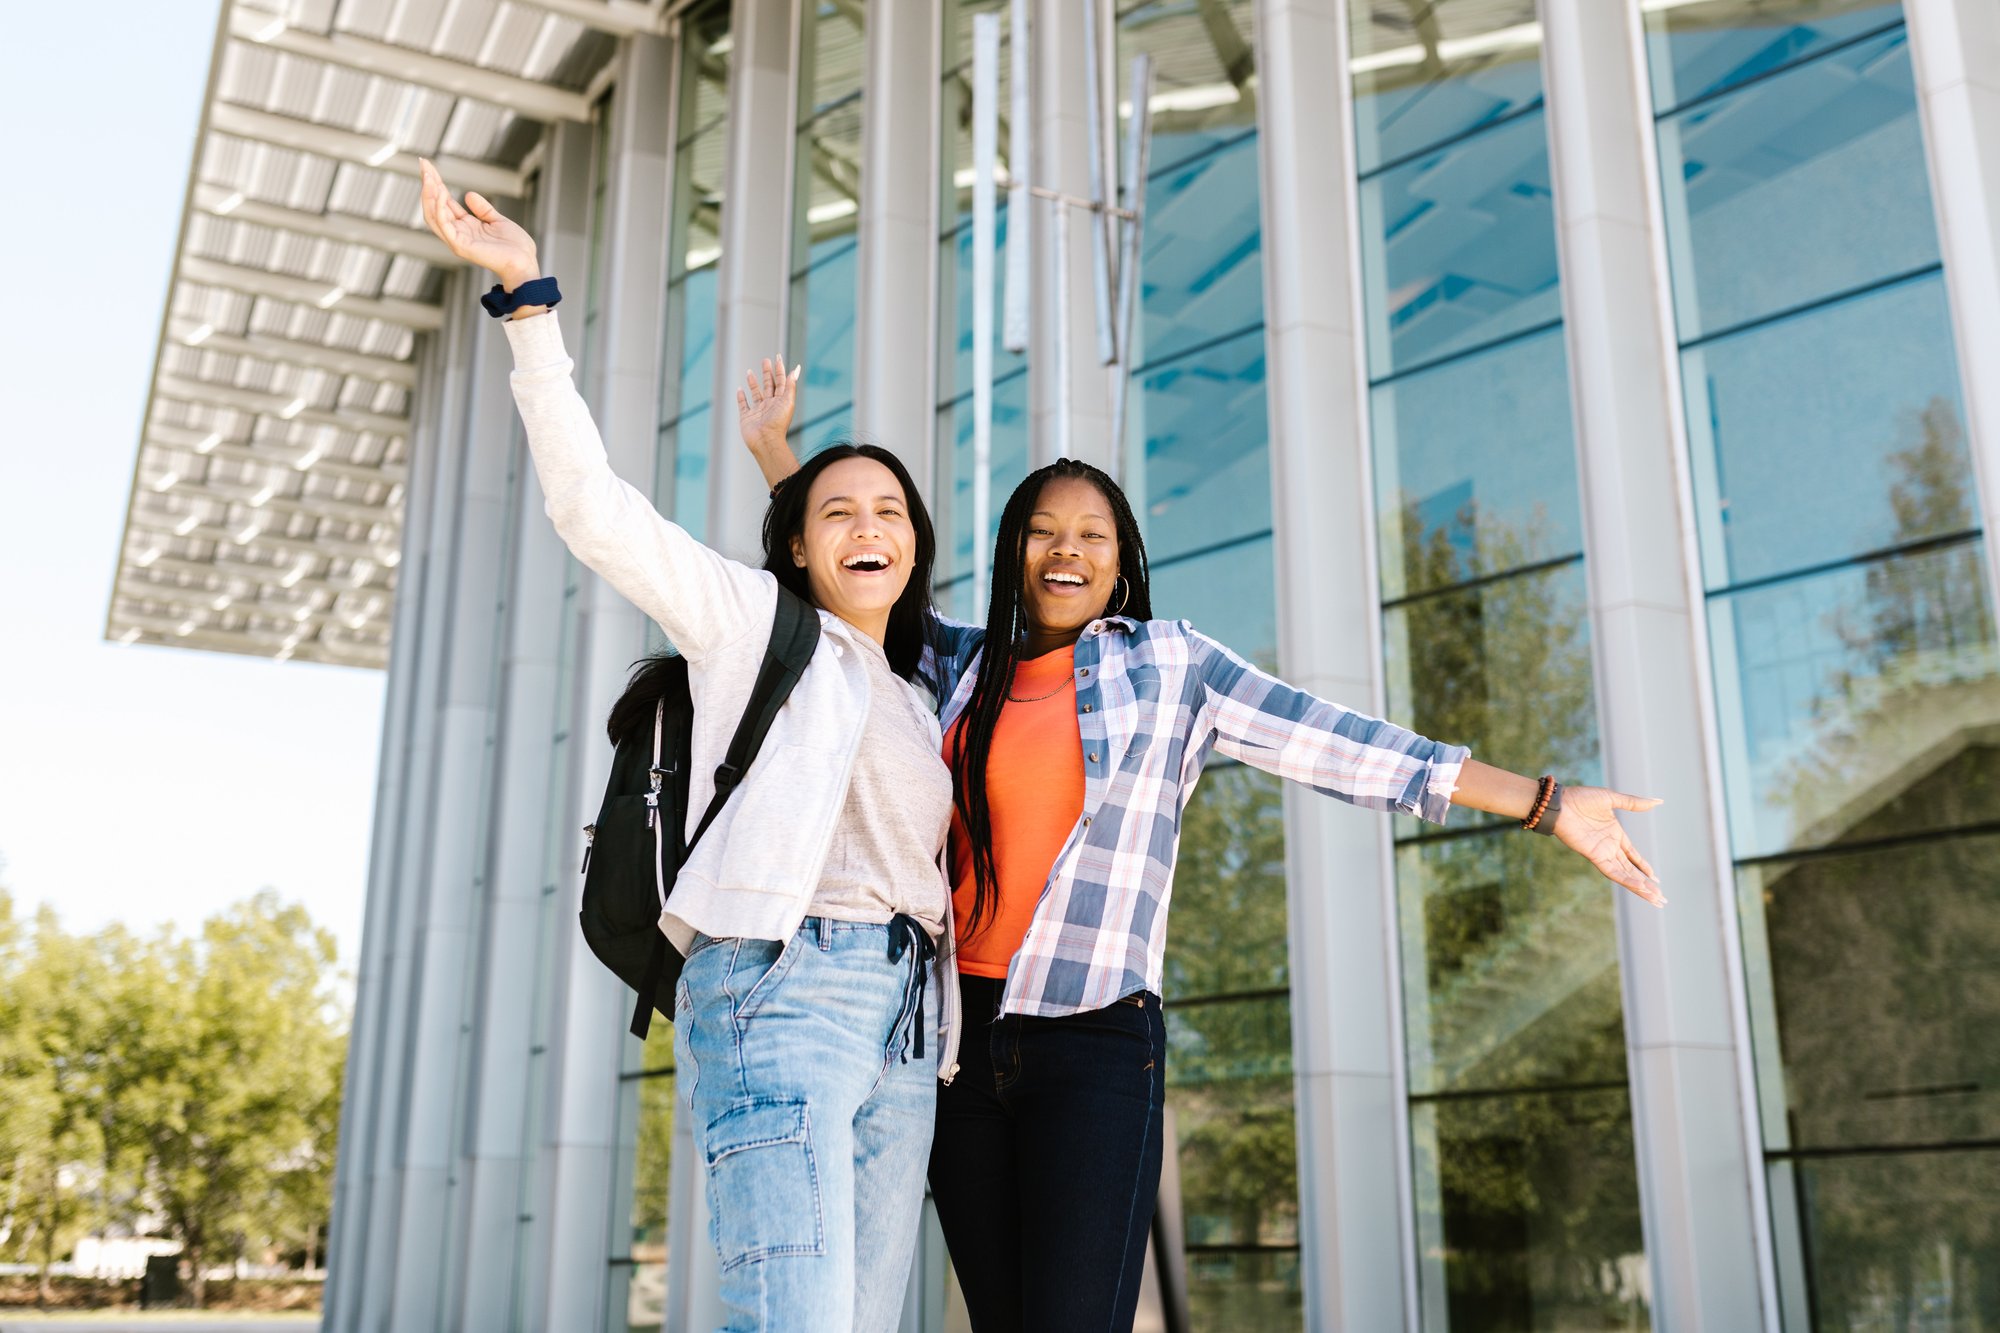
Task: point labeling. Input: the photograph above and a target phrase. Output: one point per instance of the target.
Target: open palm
(1588, 825)
(477, 232)
(765, 404)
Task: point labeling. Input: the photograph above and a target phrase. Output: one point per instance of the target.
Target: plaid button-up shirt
(1152, 699)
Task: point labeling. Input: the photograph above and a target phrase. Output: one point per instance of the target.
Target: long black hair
(1006, 631)
(910, 619)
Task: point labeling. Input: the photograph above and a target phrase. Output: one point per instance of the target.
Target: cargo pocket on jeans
(764, 1182)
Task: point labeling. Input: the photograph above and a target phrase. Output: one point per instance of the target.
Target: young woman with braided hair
(1076, 726)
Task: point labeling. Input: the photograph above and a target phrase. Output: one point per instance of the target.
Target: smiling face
(1071, 571)
(859, 545)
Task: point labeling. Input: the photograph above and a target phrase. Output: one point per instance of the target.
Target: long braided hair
(1006, 632)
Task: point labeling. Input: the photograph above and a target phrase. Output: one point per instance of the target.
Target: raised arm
(764, 407)
(1268, 724)
(701, 599)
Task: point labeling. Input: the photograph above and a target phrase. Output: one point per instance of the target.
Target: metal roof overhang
(267, 498)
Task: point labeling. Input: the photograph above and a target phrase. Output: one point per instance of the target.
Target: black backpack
(634, 851)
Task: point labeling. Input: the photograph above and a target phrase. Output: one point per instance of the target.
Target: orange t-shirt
(1034, 793)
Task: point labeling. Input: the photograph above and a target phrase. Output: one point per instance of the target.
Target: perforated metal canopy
(267, 498)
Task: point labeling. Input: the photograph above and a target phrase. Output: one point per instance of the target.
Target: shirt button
(1084, 672)
(1086, 821)
(1086, 708)
(1093, 756)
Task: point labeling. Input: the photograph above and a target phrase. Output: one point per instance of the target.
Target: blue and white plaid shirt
(1152, 698)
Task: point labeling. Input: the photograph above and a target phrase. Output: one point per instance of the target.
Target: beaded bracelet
(1547, 800)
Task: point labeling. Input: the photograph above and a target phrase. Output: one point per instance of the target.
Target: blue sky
(145, 785)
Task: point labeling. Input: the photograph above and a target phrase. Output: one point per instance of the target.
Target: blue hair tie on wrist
(500, 302)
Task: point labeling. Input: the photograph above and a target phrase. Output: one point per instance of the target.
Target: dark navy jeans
(1046, 1162)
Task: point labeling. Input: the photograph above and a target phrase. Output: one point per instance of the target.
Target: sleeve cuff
(1440, 781)
(537, 342)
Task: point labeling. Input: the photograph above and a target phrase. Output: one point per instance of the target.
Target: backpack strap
(794, 636)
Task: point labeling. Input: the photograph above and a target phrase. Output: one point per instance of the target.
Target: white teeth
(1076, 579)
(866, 560)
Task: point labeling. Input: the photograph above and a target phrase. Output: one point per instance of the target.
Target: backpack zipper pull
(589, 841)
(658, 775)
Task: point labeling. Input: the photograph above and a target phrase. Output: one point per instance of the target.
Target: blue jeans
(813, 1117)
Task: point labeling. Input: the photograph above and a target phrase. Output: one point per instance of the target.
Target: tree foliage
(187, 1084)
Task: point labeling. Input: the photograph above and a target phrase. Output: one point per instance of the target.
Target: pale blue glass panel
(1458, 247)
(1843, 696)
(1228, 595)
(1202, 269)
(1475, 468)
(684, 447)
(1797, 188)
(1703, 46)
(690, 385)
(1009, 465)
(1207, 472)
(1431, 72)
(833, 428)
(1204, 73)
(955, 273)
(823, 312)
(1828, 435)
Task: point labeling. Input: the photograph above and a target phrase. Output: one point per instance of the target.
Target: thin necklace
(1012, 698)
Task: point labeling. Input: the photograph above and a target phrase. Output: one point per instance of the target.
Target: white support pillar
(462, 700)
(588, 1037)
(753, 276)
(1700, 1167)
(1955, 45)
(1353, 1175)
(1064, 122)
(524, 1256)
(362, 1112)
(894, 348)
(450, 364)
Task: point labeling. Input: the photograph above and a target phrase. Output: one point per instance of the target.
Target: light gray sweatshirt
(754, 872)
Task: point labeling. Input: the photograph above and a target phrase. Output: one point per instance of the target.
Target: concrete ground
(163, 1322)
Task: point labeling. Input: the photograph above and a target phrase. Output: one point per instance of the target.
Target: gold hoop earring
(1124, 596)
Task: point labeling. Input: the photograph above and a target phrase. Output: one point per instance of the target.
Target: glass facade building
(1586, 381)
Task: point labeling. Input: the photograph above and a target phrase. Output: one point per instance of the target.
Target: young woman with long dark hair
(810, 910)
(1077, 726)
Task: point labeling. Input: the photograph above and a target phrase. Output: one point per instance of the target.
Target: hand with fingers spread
(479, 233)
(764, 407)
(1588, 825)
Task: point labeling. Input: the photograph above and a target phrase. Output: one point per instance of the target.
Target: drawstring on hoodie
(907, 935)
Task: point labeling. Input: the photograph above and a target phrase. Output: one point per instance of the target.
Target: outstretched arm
(1366, 761)
(701, 599)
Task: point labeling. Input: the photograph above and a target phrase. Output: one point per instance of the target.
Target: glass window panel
(1458, 247)
(1245, 1289)
(1503, 667)
(829, 182)
(1228, 923)
(1228, 595)
(1202, 270)
(1204, 72)
(1009, 465)
(1430, 72)
(1697, 47)
(1840, 693)
(955, 276)
(1797, 188)
(1830, 435)
(823, 313)
(1906, 1241)
(683, 457)
(816, 435)
(1875, 987)
(1510, 965)
(1528, 1214)
(689, 379)
(1234, 1046)
(705, 93)
(955, 183)
(835, 53)
(1207, 474)
(1475, 467)
(701, 200)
